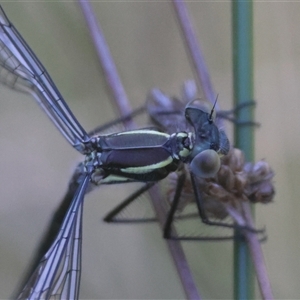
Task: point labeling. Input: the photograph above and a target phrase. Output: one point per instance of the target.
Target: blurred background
(127, 262)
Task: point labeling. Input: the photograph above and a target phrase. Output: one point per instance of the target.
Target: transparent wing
(136, 208)
(21, 70)
(58, 274)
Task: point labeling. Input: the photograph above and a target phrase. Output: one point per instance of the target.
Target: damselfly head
(203, 105)
(206, 131)
(201, 115)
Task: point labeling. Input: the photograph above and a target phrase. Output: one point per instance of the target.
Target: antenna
(212, 110)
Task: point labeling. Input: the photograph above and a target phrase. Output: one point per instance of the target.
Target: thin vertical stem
(244, 135)
(257, 257)
(195, 54)
(110, 72)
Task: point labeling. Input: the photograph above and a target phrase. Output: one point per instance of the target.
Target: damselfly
(144, 155)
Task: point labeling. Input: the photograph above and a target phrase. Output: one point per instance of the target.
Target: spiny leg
(170, 218)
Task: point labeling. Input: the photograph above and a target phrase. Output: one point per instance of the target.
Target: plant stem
(244, 135)
(194, 51)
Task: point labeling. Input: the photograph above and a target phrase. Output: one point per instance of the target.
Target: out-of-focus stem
(195, 54)
(243, 92)
(107, 63)
(257, 257)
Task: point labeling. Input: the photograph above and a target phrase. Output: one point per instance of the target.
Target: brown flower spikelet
(236, 181)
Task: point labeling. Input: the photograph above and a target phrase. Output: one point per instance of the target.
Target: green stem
(244, 135)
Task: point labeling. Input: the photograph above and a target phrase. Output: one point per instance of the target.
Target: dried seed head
(245, 181)
(214, 209)
(235, 160)
(231, 180)
(260, 187)
(236, 181)
(211, 203)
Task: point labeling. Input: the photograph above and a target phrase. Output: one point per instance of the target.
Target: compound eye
(206, 164)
